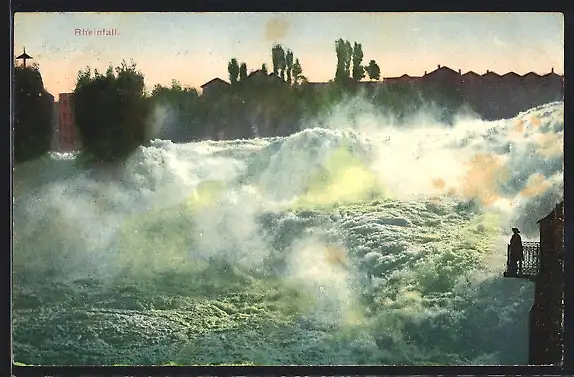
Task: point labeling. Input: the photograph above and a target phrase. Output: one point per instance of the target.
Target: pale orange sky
(195, 47)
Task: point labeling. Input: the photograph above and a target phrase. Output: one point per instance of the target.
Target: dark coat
(516, 248)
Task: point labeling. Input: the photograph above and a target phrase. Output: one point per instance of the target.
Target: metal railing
(530, 263)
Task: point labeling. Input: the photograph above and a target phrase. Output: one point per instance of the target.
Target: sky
(193, 48)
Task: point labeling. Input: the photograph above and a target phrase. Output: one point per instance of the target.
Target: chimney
(487, 71)
(459, 72)
(439, 66)
(552, 69)
(425, 73)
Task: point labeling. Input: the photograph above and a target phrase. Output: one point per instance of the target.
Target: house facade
(546, 337)
(214, 87)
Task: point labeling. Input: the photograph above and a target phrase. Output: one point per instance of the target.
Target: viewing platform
(530, 264)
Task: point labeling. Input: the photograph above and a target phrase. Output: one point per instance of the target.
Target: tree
(112, 112)
(358, 70)
(243, 72)
(264, 69)
(289, 64)
(233, 70)
(182, 114)
(279, 61)
(176, 85)
(276, 53)
(162, 92)
(158, 90)
(340, 51)
(348, 54)
(33, 114)
(373, 70)
(297, 72)
(344, 52)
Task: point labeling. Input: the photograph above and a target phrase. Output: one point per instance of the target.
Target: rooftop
(213, 81)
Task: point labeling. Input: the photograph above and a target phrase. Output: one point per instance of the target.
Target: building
(214, 87)
(218, 86)
(546, 315)
(543, 264)
(404, 79)
(443, 76)
(553, 86)
(55, 123)
(68, 137)
(490, 95)
(259, 76)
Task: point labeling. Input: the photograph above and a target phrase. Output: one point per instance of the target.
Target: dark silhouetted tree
(344, 52)
(358, 70)
(282, 62)
(297, 72)
(340, 51)
(176, 86)
(112, 112)
(233, 70)
(279, 60)
(33, 114)
(183, 113)
(276, 53)
(348, 55)
(289, 65)
(373, 70)
(243, 72)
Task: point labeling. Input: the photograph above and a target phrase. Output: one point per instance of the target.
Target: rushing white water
(426, 208)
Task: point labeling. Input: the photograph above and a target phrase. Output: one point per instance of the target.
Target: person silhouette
(516, 252)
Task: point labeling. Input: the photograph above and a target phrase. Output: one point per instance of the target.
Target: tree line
(275, 103)
(347, 54)
(32, 114)
(114, 114)
(289, 69)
